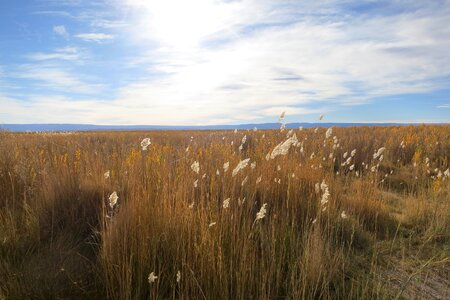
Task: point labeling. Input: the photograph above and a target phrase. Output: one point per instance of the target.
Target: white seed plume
(235, 131)
(212, 224)
(348, 161)
(290, 132)
(226, 166)
(317, 188)
(352, 167)
(152, 277)
(240, 148)
(379, 153)
(321, 117)
(195, 167)
(226, 203)
(191, 206)
(204, 176)
(258, 180)
(345, 155)
(281, 117)
(196, 183)
(447, 173)
(262, 212)
(145, 143)
(353, 153)
(325, 193)
(253, 165)
(255, 129)
(329, 132)
(323, 186)
(244, 139)
(344, 215)
(217, 172)
(283, 147)
(241, 165)
(178, 276)
(113, 199)
(107, 174)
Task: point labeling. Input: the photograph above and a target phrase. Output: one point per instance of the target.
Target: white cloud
(108, 24)
(53, 77)
(66, 53)
(444, 106)
(311, 61)
(95, 37)
(61, 30)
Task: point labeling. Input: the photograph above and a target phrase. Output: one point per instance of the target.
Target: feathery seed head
(195, 167)
(145, 143)
(241, 165)
(152, 277)
(262, 212)
(113, 199)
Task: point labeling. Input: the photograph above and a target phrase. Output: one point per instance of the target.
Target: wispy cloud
(444, 106)
(58, 13)
(53, 77)
(108, 24)
(61, 30)
(66, 53)
(95, 37)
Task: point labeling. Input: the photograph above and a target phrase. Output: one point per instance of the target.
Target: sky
(213, 62)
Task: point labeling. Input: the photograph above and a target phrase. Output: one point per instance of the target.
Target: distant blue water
(89, 127)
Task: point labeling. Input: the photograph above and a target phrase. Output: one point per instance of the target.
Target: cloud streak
(50, 78)
(95, 37)
(66, 53)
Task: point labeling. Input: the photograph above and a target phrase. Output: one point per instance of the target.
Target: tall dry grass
(60, 238)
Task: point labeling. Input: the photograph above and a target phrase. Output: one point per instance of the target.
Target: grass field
(356, 213)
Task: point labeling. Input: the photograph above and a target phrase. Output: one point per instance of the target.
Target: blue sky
(177, 62)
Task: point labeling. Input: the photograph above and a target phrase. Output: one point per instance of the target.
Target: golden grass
(59, 238)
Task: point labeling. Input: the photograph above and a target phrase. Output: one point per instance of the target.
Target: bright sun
(180, 23)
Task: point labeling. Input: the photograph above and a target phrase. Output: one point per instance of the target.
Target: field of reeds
(356, 213)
